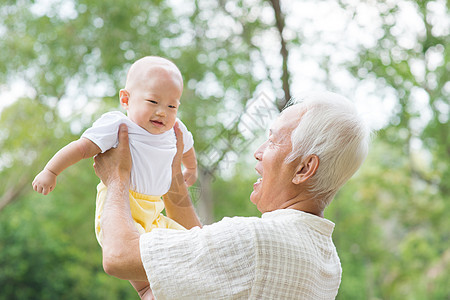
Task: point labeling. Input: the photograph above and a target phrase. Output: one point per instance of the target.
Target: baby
(151, 97)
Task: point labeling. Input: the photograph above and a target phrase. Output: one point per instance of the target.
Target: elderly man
(312, 149)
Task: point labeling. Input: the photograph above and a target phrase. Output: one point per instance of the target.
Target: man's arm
(177, 201)
(121, 253)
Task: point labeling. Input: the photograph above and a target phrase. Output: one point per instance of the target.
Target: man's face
(154, 101)
(274, 188)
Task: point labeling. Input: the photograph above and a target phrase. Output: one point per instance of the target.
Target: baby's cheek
(171, 121)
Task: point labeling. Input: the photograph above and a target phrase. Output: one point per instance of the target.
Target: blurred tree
(24, 145)
(67, 54)
(399, 201)
(47, 246)
(70, 59)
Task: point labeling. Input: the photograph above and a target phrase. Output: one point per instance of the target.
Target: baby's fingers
(42, 188)
(38, 188)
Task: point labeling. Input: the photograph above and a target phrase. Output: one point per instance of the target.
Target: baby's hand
(44, 182)
(190, 176)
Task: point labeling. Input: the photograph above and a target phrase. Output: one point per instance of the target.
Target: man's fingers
(123, 135)
(179, 136)
(97, 162)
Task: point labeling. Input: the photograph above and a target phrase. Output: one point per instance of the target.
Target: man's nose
(258, 153)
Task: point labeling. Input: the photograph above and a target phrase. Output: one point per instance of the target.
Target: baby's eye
(152, 101)
(172, 106)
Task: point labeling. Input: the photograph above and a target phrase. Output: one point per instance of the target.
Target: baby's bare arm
(189, 161)
(71, 154)
(45, 181)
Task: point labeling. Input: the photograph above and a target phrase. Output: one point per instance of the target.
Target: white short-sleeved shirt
(152, 154)
(286, 254)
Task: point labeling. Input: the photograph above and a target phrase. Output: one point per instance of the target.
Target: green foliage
(232, 197)
(47, 244)
(389, 238)
(43, 260)
(397, 234)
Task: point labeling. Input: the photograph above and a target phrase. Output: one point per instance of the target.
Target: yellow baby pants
(145, 210)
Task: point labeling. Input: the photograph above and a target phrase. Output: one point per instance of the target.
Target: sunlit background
(62, 63)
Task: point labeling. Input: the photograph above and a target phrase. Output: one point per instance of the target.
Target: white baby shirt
(152, 154)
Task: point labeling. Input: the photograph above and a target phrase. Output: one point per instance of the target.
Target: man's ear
(124, 97)
(306, 169)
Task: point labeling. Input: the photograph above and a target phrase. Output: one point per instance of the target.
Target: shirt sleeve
(104, 131)
(188, 140)
(214, 262)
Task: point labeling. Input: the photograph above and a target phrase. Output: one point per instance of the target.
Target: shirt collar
(320, 224)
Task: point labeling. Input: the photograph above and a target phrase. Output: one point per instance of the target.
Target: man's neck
(304, 202)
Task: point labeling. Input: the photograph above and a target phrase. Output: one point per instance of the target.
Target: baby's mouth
(157, 123)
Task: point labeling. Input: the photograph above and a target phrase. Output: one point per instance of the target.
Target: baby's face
(154, 100)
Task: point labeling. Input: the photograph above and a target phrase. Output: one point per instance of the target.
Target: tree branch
(279, 18)
(13, 192)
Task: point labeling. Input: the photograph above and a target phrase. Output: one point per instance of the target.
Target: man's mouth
(259, 180)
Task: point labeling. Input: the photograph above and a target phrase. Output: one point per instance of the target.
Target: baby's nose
(161, 113)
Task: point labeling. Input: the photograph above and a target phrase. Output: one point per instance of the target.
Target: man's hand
(143, 289)
(115, 164)
(177, 201)
(190, 176)
(176, 164)
(146, 294)
(44, 182)
(121, 254)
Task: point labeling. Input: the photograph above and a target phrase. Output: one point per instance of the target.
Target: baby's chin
(156, 132)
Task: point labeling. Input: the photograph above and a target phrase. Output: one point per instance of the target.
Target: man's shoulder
(234, 222)
(268, 222)
(231, 228)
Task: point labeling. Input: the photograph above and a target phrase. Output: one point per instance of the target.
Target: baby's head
(152, 93)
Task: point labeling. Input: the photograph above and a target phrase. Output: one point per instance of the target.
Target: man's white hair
(331, 128)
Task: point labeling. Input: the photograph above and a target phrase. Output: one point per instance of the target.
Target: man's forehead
(287, 120)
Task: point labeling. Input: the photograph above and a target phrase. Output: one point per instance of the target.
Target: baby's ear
(124, 97)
